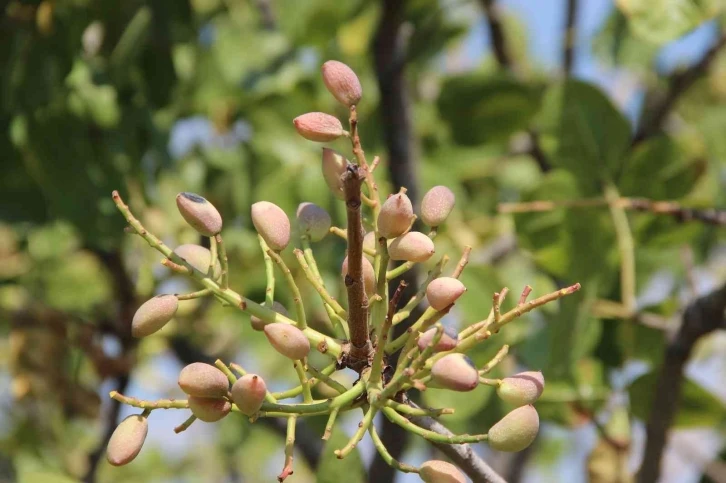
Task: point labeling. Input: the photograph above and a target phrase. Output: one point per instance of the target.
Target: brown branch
(462, 454)
(500, 46)
(678, 84)
(709, 216)
(390, 52)
(568, 42)
(700, 318)
(360, 346)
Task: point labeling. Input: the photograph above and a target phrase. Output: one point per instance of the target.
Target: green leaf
(591, 134)
(697, 407)
(480, 108)
(660, 21)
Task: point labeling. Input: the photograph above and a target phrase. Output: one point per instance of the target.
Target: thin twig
(570, 36)
(500, 45)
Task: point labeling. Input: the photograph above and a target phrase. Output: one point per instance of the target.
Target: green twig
(269, 272)
(142, 404)
(223, 260)
(394, 463)
(396, 418)
(358, 435)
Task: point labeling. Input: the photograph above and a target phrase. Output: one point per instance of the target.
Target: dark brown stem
(568, 42)
(496, 34)
(702, 316)
(360, 348)
(389, 50)
(678, 84)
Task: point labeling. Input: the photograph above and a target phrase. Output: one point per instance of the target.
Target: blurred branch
(568, 42)
(700, 318)
(389, 50)
(678, 84)
(710, 216)
(496, 34)
(465, 458)
(120, 327)
(500, 46)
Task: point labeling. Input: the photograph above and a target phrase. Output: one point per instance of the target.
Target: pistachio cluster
(429, 354)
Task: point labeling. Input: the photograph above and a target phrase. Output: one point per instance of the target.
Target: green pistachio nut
(287, 340)
(443, 292)
(449, 339)
(522, 389)
(199, 213)
(342, 82)
(396, 215)
(209, 409)
(334, 166)
(248, 393)
(198, 257)
(272, 224)
(153, 315)
(369, 275)
(456, 372)
(515, 431)
(318, 126)
(414, 246)
(127, 440)
(437, 471)
(259, 325)
(313, 221)
(203, 380)
(436, 205)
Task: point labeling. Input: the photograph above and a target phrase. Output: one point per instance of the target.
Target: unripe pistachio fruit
(259, 324)
(313, 221)
(515, 431)
(443, 292)
(272, 224)
(248, 393)
(199, 213)
(198, 257)
(203, 380)
(334, 165)
(521, 389)
(153, 315)
(209, 409)
(449, 339)
(436, 205)
(437, 471)
(127, 440)
(287, 340)
(456, 372)
(395, 217)
(414, 246)
(318, 126)
(369, 275)
(342, 82)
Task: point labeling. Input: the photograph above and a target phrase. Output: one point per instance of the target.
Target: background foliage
(156, 97)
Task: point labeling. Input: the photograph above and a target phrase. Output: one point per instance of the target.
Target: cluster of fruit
(430, 354)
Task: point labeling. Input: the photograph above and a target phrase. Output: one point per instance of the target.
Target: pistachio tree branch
(701, 317)
(357, 299)
(500, 45)
(570, 36)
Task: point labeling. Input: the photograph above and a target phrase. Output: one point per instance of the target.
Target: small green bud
(456, 372)
(209, 409)
(369, 275)
(449, 339)
(127, 440)
(199, 213)
(272, 224)
(203, 380)
(287, 340)
(522, 389)
(313, 221)
(198, 257)
(443, 292)
(515, 431)
(153, 315)
(318, 126)
(437, 471)
(436, 205)
(342, 82)
(259, 325)
(334, 165)
(395, 217)
(414, 246)
(248, 393)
